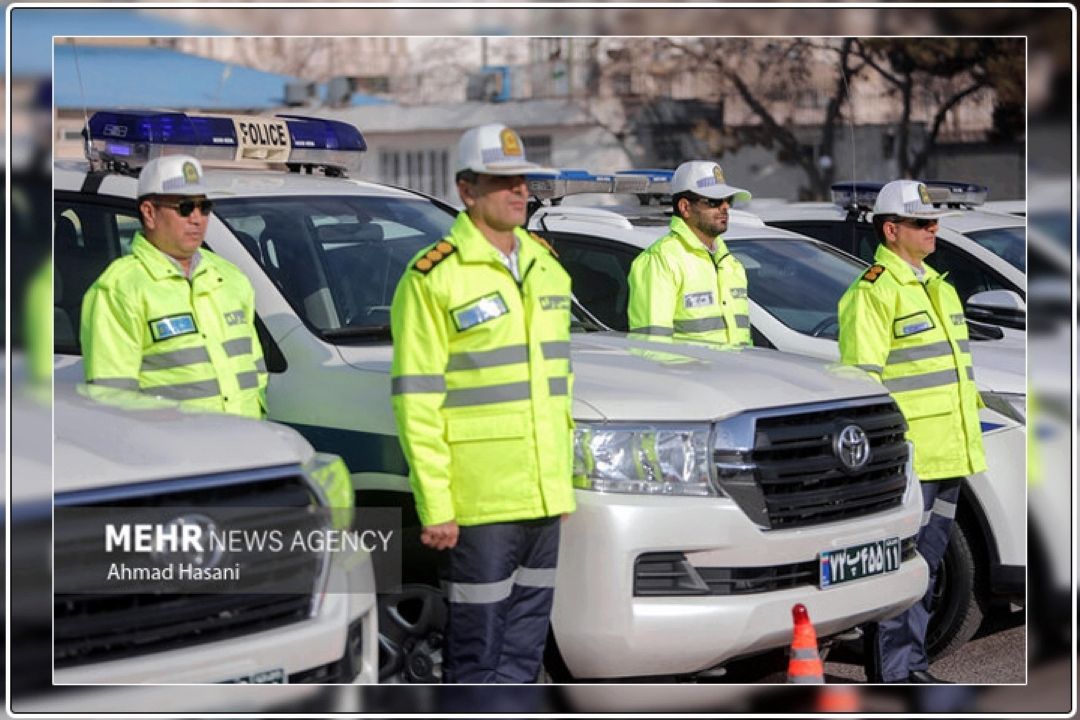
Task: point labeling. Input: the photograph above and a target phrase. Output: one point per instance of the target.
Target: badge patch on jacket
(738, 292)
(699, 299)
(555, 302)
(479, 311)
(912, 325)
(234, 317)
(958, 319)
(172, 326)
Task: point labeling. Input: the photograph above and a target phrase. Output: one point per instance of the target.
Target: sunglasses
(713, 202)
(184, 208)
(917, 223)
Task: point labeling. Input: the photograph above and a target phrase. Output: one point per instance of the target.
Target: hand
(440, 537)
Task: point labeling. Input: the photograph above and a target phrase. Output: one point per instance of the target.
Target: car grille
(670, 574)
(793, 477)
(97, 626)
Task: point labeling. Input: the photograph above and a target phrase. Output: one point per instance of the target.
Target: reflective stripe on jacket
(481, 381)
(679, 289)
(147, 328)
(913, 337)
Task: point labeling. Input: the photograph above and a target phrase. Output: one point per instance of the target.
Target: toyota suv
(599, 224)
(711, 494)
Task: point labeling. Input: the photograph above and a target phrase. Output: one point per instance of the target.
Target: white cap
(171, 175)
(495, 150)
(705, 178)
(907, 198)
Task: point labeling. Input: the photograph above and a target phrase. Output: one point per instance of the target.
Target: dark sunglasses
(184, 208)
(917, 223)
(713, 202)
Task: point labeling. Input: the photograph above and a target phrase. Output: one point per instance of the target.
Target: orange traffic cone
(837, 699)
(804, 663)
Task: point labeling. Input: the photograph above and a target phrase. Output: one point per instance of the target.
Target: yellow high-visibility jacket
(481, 381)
(147, 328)
(913, 337)
(679, 289)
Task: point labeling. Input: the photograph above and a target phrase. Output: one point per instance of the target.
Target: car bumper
(315, 650)
(604, 631)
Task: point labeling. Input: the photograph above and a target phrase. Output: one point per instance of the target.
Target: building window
(537, 148)
(423, 170)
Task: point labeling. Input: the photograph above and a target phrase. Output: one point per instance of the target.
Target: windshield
(338, 259)
(797, 281)
(1007, 243)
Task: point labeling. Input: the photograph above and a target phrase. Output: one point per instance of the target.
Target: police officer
(903, 322)
(481, 391)
(172, 319)
(687, 285)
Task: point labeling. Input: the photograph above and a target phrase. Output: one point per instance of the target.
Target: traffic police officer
(481, 391)
(687, 285)
(903, 322)
(172, 319)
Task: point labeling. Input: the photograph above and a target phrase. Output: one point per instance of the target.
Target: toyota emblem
(852, 447)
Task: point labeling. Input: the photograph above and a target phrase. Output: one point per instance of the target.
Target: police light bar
(654, 182)
(127, 140)
(857, 195)
(956, 194)
(568, 182)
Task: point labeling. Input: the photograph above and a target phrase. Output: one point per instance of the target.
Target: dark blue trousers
(899, 644)
(500, 582)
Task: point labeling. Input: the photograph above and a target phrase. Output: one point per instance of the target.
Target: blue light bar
(654, 175)
(858, 195)
(130, 139)
(568, 182)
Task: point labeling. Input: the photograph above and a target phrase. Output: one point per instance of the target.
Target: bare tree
(949, 71)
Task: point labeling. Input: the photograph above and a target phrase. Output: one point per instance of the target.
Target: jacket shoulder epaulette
(438, 252)
(873, 273)
(543, 243)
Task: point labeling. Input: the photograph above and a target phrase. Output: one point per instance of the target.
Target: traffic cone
(837, 699)
(804, 663)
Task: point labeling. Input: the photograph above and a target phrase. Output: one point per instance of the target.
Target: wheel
(554, 668)
(956, 605)
(412, 627)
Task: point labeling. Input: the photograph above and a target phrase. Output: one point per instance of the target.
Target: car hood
(619, 378)
(627, 378)
(103, 444)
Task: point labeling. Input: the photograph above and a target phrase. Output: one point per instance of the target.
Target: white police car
(983, 252)
(691, 541)
(795, 283)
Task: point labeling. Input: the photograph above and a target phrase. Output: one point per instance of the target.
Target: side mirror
(998, 307)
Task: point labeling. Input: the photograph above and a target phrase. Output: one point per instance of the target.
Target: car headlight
(1011, 405)
(644, 459)
(332, 476)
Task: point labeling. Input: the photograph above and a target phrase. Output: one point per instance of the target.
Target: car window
(87, 237)
(967, 274)
(336, 259)
(1008, 243)
(598, 273)
(796, 281)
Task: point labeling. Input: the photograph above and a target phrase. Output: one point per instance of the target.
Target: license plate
(859, 561)
(266, 677)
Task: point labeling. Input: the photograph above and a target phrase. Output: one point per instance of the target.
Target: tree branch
(919, 162)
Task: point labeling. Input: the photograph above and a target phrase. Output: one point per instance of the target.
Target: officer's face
(708, 215)
(910, 238)
(497, 201)
(174, 234)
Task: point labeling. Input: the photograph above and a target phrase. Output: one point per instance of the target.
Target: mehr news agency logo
(192, 547)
